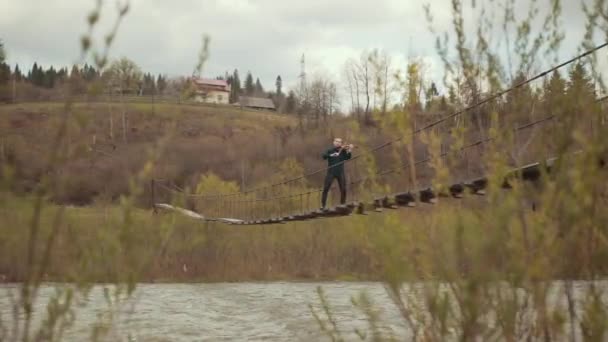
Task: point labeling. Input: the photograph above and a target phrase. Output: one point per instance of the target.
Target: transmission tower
(302, 75)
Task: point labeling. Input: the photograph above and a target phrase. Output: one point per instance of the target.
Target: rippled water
(227, 312)
(234, 311)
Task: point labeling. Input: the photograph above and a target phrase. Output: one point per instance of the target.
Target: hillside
(103, 156)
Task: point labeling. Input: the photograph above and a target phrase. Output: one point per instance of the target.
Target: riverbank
(108, 243)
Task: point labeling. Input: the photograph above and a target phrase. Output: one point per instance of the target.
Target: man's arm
(326, 154)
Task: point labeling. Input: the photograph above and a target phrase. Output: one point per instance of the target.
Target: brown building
(259, 103)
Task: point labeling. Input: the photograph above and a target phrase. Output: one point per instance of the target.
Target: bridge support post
(153, 196)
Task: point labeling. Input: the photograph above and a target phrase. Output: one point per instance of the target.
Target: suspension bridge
(523, 137)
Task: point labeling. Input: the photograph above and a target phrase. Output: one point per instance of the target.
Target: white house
(211, 91)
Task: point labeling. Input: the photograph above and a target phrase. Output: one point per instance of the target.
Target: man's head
(337, 142)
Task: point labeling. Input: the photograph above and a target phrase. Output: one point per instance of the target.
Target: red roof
(203, 81)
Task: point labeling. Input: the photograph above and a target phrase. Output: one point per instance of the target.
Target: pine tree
(580, 93)
(235, 87)
(161, 84)
(33, 74)
(49, 78)
(77, 85)
(89, 73)
(290, 105)
(452, 97)
(431, 94)
(580, 83)
(5, 70)
(249, 85)
(2, 52)
(554, 92)
(17, 73)
(443, 104)
(149, 85)
(62, 75)
(39, 78)
(5, 73)
(75, 72)
(259, 90)
(279, 85)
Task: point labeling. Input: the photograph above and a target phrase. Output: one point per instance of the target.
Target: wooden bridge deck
(531, 172)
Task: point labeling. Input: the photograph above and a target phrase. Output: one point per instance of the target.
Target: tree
(380, 63)
(580, 84)
(352, 82)
(5, 75)
(519, 102)
(259, 90)
(49, 78)
(359, 75)
(291, 102)
(5, 70)
(89, 73)
(148, 85)
(17, 73)
(124, 76)
(554, 95)
(414, 84)
(37, 75)
(323, 97)
(580, 92)
(161, 84)
(2, 52)
(554, 91)
(235, 87)
(249, 85)
(203, 55)
(279, 85)
(431, 95)
(77, 85)
(365, 75)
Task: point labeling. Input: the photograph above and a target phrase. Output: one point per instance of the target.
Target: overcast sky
(266, 37)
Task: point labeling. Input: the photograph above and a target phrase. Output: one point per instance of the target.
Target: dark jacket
(344, 155)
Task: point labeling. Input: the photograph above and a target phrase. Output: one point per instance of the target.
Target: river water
(226, 311)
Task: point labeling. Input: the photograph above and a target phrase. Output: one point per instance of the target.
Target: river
(224, 312)
(277, 311)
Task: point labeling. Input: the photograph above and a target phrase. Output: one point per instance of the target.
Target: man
(335, 157)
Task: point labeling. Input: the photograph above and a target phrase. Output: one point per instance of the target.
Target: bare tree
(349, 85)
(364, 75)
(124, 76)
(323, 98)
(380, 62)
(351, 73)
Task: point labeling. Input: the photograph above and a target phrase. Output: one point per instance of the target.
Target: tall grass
(40, 240)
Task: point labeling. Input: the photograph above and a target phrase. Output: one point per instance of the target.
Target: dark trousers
(329, 178)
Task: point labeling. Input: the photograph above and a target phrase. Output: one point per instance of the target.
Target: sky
(266, 37)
